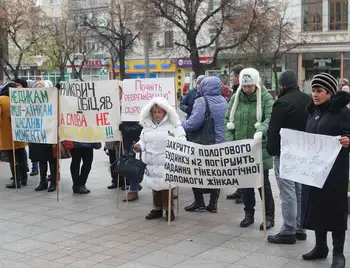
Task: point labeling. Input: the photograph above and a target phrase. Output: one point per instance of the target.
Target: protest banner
(138, 92)
(307, 158)
(34, 115)
(226, 165)
(89, 111)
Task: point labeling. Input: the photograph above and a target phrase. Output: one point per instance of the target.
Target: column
(300, 70)
(341, 65)
(325, 19)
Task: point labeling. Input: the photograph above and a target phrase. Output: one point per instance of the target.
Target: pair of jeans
(81, 174)
(290, 194)
(249, 198)
(21, 169)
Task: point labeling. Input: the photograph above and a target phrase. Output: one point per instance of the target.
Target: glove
(258, 136)
(121, 127)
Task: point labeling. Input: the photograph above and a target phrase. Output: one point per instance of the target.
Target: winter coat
(326, 209)
(153, 142)
(211, 90)
(40, 152)
(245, 119)
(186, 104)
(289, 111)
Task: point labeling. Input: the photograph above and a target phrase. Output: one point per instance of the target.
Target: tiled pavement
(90, 231)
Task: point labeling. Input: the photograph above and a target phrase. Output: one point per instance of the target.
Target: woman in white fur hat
(248, 116)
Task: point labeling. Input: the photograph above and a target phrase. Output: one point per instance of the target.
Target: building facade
(323, 28)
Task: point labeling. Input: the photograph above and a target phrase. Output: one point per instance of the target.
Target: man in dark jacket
(289, 111)
(234, 78)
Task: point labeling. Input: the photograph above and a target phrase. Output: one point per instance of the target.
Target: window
(169, 39)
(151, 40)
(312, 15)
(213, 34)
(169, 7)
(55, 2)
(338, 15)
(210, 5)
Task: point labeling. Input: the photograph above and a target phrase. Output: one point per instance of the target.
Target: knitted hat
(248, 76)
(288, 79)
(325, 81)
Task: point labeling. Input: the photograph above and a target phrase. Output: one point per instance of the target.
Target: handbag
(4, 156)
(97, 145)
(205, 135)
(130, 167)
(64, 152)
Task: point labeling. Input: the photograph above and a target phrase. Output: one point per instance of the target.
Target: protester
(248, 116)
(326, 209)
(187, 102)
(226, 92)
(82, 152)
(45, 154)
(7, 144)
(159, 120)
(234, 78)
(210, 92)
(22, 83)
(289, 111)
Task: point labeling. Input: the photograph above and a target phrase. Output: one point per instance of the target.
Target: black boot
(154, 214)
(269, 224)
(43, 185)
(248, 219)
(282, 239)
(12, 185)
(195, 207)
(172, 216)
(52, 186)
(320, 251)
(75, 189)
(338, 249)
(23, 173)
(112, 186)
(236, 195)
(213, 203)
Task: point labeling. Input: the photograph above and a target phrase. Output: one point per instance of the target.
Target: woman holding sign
(8, 145)
(159, 120)
(248, 116)
(326, 209)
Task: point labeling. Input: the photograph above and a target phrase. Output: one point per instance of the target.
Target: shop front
(136, 69)
(308, 63)
(184, 71)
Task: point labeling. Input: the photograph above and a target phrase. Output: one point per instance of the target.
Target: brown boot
(131, 196)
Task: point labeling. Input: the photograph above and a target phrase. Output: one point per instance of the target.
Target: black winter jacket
(289, 111)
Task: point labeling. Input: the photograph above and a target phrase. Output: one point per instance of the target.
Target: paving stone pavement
(91, 231)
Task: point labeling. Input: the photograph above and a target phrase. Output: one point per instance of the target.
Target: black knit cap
(22, 82)
(288, 79)
(325, 81)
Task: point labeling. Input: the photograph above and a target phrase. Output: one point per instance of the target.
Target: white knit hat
(248, 76)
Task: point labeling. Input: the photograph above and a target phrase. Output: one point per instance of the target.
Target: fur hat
(325, 81)
(248, 76)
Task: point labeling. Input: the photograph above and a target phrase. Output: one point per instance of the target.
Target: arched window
(312, 15)
(338, 15)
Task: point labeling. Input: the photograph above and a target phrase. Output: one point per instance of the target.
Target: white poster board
(90, 111)
(34, 115)
(226, 165)
(307, 158)
(138, 92)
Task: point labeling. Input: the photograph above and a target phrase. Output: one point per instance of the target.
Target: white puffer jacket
(153, 142)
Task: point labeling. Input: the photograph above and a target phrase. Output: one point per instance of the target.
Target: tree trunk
(122, 58)
(197, 67)
(62, 73)
(275, 76)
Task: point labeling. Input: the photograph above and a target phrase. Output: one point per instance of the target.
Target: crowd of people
(246, 111)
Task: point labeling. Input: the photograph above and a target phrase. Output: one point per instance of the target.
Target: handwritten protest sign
(34, 115)
(90, 111)
(236, 163)
(307, 158)
(138, 92)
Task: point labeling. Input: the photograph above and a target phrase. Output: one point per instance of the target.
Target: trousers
(161, 200)
(249, 198)
(81, 174)
(290, 195)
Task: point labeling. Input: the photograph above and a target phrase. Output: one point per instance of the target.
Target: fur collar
(164, 104)
(334, 105)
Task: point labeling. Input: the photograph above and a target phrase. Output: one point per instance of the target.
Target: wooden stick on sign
(169, 205)
(58, 173)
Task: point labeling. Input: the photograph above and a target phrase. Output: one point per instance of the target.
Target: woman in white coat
(159, 120)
